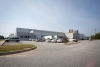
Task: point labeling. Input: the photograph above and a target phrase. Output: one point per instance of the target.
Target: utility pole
(95, 31)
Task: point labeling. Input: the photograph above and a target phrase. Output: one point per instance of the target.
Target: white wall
(69, 35)
(38, 33)
(72, 35)
(76, 35)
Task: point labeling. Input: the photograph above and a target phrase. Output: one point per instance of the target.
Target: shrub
(65, 40)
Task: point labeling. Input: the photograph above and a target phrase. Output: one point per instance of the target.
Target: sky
(51, 15)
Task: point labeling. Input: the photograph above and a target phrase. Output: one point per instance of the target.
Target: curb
(17, 51)
(2, 42)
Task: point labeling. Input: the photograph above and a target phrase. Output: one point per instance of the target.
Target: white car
(59, 40)
(31, 39)
(54, 40)
(48, 40)
(71, 40)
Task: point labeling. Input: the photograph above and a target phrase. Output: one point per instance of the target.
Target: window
(15, 38)
(34, 36)
(21, 36)
(28, 36)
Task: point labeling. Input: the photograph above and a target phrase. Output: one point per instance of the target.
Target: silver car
(31, 39)
(48, 40)
(59, 40)
(54, 40)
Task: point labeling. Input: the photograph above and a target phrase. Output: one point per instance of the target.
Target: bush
(97, 36)
(65, 40)
(1, 37)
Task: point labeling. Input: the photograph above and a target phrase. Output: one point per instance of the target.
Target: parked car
(72, 40)
(60, 40)
(48, 40)
(37, 39)
(31, 39)
(54, 40)
(12, 39)
(90, 39)
(41, 40)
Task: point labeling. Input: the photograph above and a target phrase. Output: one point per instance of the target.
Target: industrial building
(72, 34)
(26, 34)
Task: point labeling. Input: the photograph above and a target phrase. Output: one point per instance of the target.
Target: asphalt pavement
(84, 54)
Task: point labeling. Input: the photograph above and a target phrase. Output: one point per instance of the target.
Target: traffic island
(2, 42)
(13, 49)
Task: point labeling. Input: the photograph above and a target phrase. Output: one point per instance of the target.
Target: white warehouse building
(26, 34)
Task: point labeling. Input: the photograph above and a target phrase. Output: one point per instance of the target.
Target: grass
(7, 48)
(0, 40)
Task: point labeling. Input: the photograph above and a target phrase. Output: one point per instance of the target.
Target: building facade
(72, 35)
(25, 34)
(82, 36)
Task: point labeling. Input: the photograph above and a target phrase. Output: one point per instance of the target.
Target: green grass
(0, 40)
(7, 48)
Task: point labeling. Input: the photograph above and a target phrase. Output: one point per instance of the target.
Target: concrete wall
(72, 35)
(69, 35)
(76, 35)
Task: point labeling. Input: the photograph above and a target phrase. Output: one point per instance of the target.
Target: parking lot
(84, 54)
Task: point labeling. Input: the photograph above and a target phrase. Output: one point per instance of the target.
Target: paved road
(84, 54)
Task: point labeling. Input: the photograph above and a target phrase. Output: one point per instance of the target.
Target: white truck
(48, 37)
(57, 39)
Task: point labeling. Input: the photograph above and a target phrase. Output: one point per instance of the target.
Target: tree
(97, 36)
(65, 39)
(1, 37)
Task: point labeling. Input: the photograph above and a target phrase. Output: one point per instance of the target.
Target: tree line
(1, 37)
(97, 36)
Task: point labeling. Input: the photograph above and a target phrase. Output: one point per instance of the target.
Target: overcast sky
(52, 15)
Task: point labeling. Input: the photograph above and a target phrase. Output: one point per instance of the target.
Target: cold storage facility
(25, 34)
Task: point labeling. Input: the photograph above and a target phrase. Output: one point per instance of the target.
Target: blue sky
(52, 15)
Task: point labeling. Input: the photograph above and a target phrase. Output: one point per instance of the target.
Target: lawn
(7, 48)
